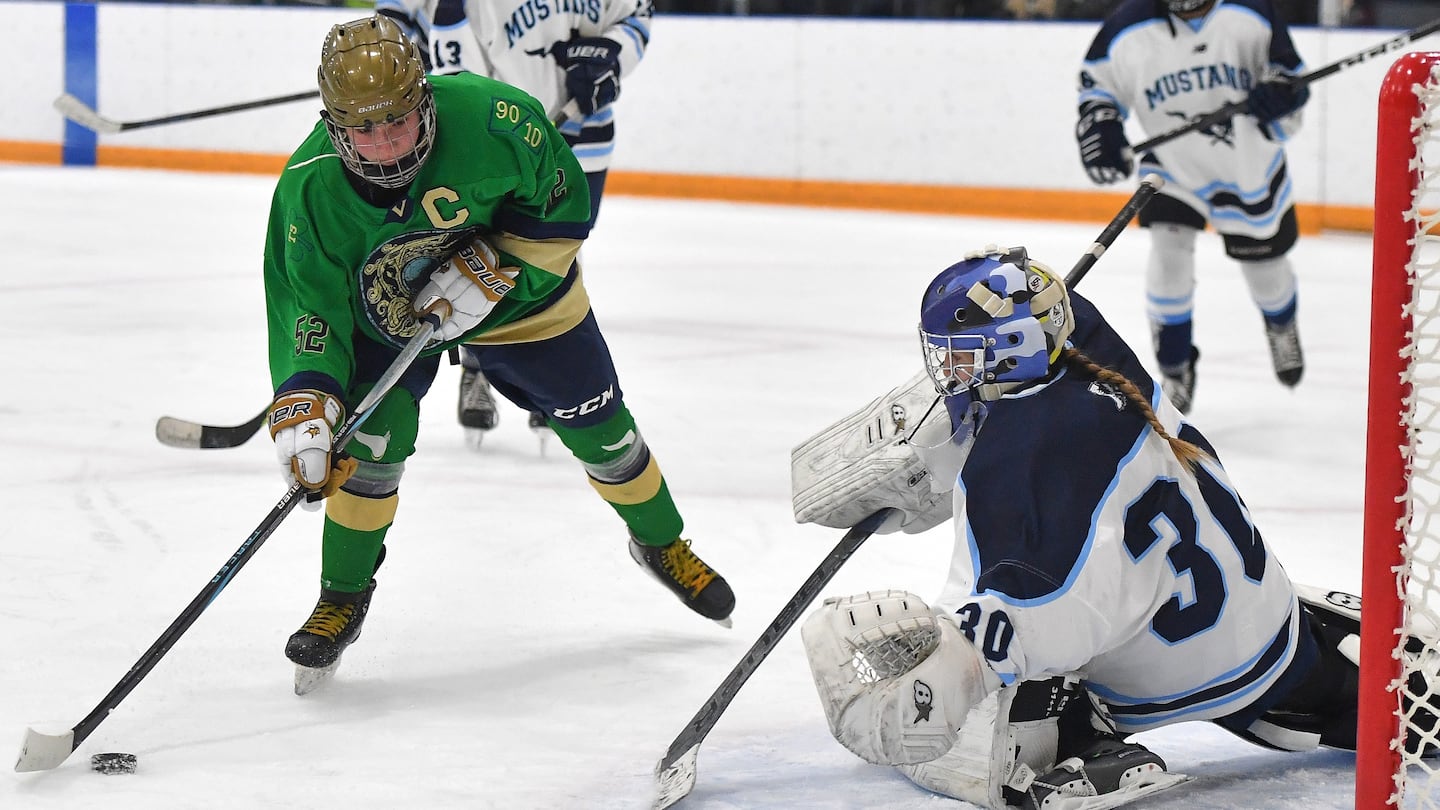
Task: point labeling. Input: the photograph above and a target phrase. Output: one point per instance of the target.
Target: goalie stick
(42, 752)
(186, 434)
(1234, 108)
(675, 773)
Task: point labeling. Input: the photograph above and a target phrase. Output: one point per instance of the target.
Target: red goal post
(1401, 576)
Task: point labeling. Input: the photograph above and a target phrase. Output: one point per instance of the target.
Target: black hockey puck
(113, 763)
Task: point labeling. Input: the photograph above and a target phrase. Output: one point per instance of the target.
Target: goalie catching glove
(895, 680)
(464, 290)
(302, 424)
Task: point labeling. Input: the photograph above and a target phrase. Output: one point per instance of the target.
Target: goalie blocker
(896, 452)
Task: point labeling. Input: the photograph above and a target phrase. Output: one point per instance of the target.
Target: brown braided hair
(1188, 453)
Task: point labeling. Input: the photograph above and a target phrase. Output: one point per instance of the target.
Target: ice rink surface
(514, 656)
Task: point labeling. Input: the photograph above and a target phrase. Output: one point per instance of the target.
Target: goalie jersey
(1167, 72)
(513, 41)
(1084, 546)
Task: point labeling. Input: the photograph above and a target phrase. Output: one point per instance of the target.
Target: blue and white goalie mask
(993, 322)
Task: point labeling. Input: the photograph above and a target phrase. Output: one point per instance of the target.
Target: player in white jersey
(1168, 62)
(1099, 543)
(559, 51)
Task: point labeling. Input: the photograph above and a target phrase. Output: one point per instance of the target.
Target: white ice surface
(514, 656)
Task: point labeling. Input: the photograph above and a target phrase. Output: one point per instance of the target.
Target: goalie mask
(993, 322)
(378, 105)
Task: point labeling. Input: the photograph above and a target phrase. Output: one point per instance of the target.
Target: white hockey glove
(465, 289)
(868, 461)
(302, 423)
(895, 680)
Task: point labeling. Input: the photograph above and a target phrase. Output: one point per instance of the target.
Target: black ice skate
(476, 410)
(688, 577)
(1108, 773)
(541, 428)
(333, 625)
(1178, 382)
(1285, 352)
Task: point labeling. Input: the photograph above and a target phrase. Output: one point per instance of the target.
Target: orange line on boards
(1071, 206)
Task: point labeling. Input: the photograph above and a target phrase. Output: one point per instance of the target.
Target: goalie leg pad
(895, 681)
(1008, 740)
(1325, 704)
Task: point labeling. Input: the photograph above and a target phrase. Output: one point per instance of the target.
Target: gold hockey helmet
(371, 78)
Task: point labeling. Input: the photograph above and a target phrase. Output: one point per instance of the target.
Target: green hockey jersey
(340, 269)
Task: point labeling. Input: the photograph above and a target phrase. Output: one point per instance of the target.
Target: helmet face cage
(993, 322)
(410, 145)
(371, 79)
(955, 363)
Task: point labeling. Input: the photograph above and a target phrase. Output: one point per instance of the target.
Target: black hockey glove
(1103, 147)
(592, 71)
(1277, 99)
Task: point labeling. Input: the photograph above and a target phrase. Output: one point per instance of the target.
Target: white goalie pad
(994, 752)
(878, 457)
(895, 680)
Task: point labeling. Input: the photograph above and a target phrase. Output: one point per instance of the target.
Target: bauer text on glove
(301, 423)
(1104, 150)
(592, 71)
(464, 290)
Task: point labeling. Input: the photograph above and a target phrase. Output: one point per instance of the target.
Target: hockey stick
(675, 773)
(186, 434)
(85, 115)
(41, 752)
(1149, 184)
(1234, 108)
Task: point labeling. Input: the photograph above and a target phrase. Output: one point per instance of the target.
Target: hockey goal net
(1401, 578)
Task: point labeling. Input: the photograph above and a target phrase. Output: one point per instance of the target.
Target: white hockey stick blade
(189, 435)
(42, 752)
(308, 679)
(82, 114)
(676, 781)
(177, 432)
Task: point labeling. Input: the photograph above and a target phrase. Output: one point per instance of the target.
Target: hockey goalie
(1106, 578)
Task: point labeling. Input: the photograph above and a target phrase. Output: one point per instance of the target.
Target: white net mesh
(1418, 579)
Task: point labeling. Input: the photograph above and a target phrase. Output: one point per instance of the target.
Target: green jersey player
(451, 195)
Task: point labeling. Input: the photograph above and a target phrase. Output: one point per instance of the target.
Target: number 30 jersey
(1084, 546)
